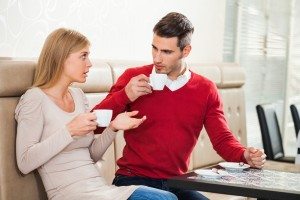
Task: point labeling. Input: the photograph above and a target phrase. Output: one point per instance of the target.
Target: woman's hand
(125, 121)
(82, 124)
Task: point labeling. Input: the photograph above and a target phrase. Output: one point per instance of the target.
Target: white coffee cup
(103, 117)
(158, 81)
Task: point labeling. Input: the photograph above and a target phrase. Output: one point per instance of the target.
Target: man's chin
(160, 71)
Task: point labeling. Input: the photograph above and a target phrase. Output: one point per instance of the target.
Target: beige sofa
(17, 75)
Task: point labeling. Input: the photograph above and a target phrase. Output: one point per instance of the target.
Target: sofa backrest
(17, 76)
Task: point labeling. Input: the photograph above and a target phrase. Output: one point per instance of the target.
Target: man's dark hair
(175, 25)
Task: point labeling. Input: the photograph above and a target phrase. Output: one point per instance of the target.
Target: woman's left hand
(126, 120)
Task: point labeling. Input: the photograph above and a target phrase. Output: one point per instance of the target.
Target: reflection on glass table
(266, 183)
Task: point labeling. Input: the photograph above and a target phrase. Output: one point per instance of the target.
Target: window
(256, 36)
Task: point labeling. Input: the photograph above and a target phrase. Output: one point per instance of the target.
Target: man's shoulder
(202, 79)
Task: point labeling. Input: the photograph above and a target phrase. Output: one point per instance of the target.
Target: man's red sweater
(161, 146)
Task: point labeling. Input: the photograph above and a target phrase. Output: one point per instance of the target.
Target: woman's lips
(86, 73)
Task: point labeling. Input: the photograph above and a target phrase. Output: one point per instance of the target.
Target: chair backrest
(270, 131)
(295, 115)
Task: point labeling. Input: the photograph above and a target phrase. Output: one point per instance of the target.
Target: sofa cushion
(15, 77)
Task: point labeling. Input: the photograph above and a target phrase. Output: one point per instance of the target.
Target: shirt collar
(179, 82)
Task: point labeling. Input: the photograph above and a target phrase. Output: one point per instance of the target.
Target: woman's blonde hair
(57, 47)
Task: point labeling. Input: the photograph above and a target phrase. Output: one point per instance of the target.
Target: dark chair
(295, 115)
(270, 133)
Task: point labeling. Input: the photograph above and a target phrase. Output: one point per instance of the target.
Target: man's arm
(222, 139)
(126, 90)
(224, 142)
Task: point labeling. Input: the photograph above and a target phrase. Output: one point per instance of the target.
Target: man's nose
(157, 57)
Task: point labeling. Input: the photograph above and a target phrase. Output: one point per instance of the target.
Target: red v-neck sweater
(161, 147)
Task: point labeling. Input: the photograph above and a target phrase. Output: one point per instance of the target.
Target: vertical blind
(263, 28)
(294, 70)
(294, 93)
(230, 33)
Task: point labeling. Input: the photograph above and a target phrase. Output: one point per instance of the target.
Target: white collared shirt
(179, 82)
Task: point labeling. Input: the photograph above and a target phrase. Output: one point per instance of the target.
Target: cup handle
(150, 82)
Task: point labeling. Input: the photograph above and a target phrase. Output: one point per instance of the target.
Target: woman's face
(77, 66)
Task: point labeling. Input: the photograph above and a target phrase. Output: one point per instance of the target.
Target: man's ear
(186, 50)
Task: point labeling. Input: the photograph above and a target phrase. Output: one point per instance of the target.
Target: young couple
(52, 113)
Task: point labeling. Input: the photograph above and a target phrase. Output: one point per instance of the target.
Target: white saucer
(207, 173)
(233, 166)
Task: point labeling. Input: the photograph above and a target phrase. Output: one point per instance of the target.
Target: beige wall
(118, 29)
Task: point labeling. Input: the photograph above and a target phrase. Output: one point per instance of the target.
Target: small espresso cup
(103, 117)
(158, 81)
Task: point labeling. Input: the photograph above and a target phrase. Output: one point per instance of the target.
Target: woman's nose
(89, 63)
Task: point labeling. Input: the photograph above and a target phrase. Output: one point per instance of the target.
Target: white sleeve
(30, 151)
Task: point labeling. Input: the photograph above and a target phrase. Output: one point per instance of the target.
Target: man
(160, 148)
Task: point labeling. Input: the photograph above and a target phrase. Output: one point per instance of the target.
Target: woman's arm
(101, 144)
(123, 121)
(31, 152)
(102, 141)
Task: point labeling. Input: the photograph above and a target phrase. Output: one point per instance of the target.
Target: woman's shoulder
(34, 94)
(30, 101)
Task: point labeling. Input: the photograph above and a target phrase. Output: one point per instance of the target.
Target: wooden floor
(282, 166)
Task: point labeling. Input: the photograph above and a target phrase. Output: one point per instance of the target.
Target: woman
(55, 128)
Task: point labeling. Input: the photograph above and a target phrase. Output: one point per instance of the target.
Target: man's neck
(182, 70)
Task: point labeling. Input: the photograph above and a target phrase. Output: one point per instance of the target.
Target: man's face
(167, 56)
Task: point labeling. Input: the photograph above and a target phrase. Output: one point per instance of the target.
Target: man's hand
(137, 86)
(255, 157)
